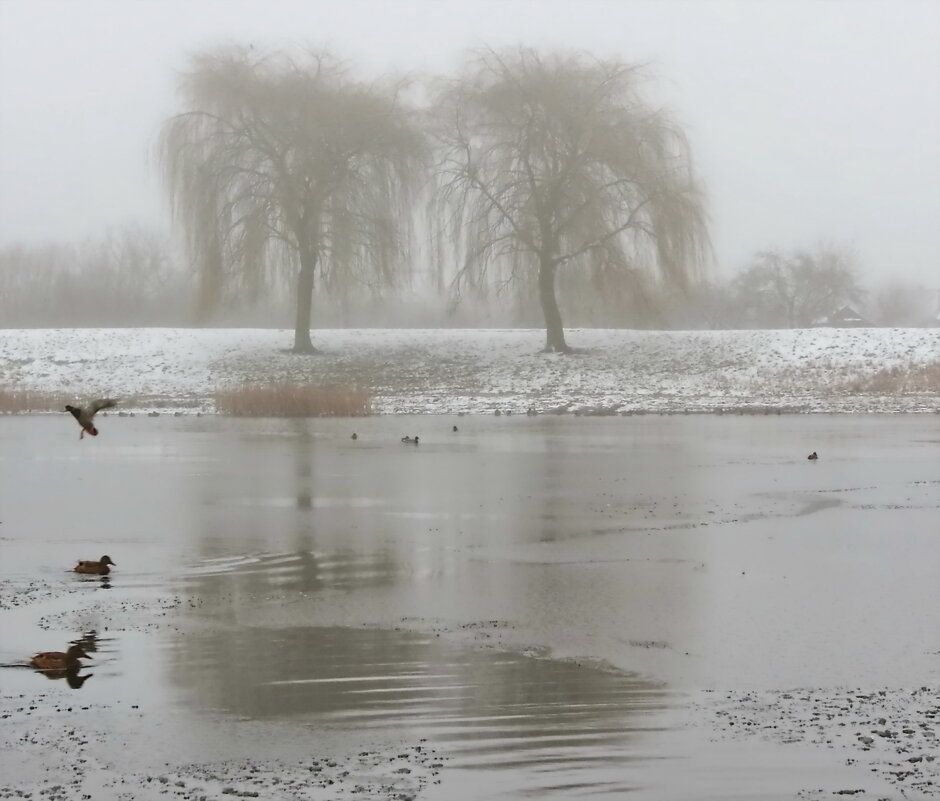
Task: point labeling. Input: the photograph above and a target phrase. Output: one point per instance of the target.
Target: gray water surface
(540, 601)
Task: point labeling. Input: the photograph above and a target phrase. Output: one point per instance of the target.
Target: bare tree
(900, 304)
(706, 304)
(130, 274)
(286, 163)
(797, 290)
(126, 277)
(555, 162)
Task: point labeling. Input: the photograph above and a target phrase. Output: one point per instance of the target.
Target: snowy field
(480, 371)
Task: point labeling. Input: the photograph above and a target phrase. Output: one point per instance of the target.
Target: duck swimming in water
(410, 440)
(85, 414)
(812, 457)
(99, 568)
(57, 660)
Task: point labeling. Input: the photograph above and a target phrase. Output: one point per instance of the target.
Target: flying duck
(99, 568)
(85, 415)
(56, 660)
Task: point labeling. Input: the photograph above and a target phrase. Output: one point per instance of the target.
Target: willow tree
(285, 163)
(556, 162)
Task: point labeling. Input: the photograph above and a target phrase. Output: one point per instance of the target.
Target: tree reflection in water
(486, 708)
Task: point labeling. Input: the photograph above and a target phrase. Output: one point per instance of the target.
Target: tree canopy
(556, 162)
(284, 162)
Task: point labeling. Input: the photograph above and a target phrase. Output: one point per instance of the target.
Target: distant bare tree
(284, 162)
(900, 304)
(555, 162)
(797, 290)
(130, 273)
(706, 304)
(126, 277)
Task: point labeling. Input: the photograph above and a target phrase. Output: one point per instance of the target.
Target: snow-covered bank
(480, 371)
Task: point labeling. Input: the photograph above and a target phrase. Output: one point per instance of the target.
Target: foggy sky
(811, 122)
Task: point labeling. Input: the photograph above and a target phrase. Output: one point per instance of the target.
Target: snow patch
(439, 371)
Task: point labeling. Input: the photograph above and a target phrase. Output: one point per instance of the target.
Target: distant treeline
(132, 276)
(125, 278)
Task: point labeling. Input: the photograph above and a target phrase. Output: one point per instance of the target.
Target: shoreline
(486, 371)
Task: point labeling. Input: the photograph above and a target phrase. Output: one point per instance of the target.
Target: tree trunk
(302, 342)
(554, 331)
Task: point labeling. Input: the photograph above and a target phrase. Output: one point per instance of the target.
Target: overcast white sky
(811, 121)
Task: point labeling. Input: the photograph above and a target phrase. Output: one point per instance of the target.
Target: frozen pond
(546, 607)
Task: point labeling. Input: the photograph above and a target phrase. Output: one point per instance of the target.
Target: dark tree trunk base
(554, 329)
(557, 349)
(307, 350)
(308, 262)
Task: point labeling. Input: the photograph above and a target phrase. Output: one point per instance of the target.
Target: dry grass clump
(24, 401)
(294, 400)
(897, 380)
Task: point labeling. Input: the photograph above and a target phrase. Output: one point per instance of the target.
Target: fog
(810, 122)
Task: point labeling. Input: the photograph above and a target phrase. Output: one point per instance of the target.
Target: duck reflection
(102, 581)
(72, 677)
(88, 641)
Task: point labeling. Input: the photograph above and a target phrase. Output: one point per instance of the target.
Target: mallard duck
(85, 414)
(812, 457)
(56, 660)
(99, 568)
(410, 440)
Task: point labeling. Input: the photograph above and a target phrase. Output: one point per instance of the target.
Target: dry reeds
(827, 381)
(293, 400)
(24, 401)
(897, 380)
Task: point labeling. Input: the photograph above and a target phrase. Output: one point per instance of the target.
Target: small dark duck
(812, 457)
(90, 567)
(410, 440)
(85, 415)
(354, 435)
(56, 660)
(455, 429)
